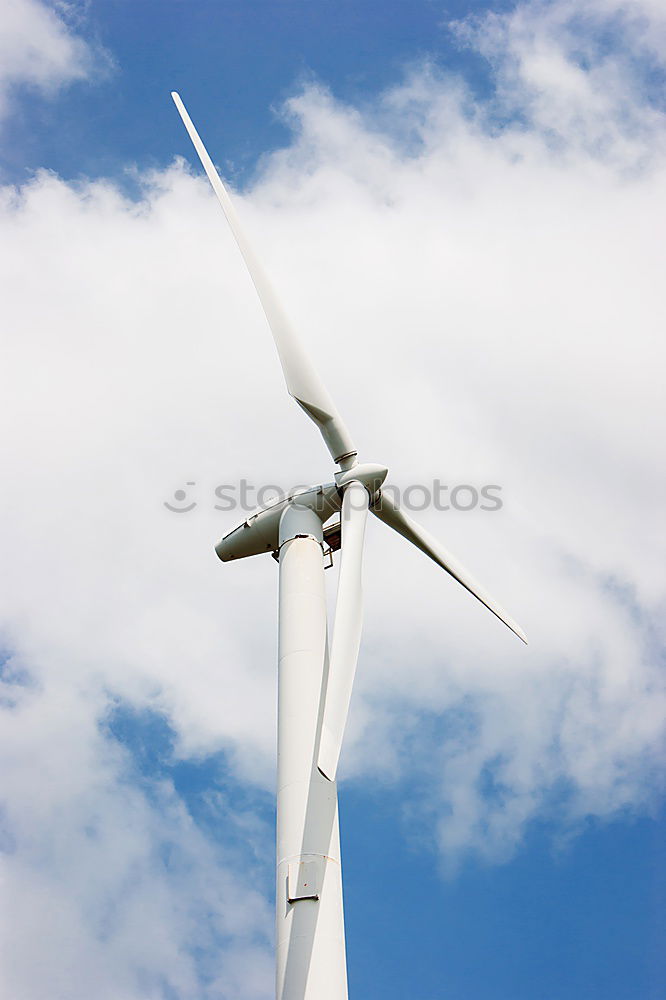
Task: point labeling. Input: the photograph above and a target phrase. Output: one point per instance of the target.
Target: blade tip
(327, 758)
(514, 626)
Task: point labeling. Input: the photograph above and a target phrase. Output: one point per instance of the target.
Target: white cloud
(38, 48)
(577, 75)
(487, 306)
(109, 887)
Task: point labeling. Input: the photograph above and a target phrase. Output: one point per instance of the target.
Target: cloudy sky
(462, 207)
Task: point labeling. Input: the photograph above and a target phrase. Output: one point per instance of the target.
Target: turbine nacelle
(261, 531)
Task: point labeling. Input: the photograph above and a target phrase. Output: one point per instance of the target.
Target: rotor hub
(369, 474)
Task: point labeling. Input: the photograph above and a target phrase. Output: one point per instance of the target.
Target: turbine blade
(302, 380)
(346, 630)
(387, 511)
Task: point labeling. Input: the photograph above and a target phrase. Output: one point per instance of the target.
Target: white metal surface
(310, 943)
(260, 532)
(346, 630)
(303, 880)
(387, 511)
(303, 382)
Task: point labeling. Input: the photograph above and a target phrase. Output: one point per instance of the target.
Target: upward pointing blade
(302, 380)
(388, 512)
(346, 630)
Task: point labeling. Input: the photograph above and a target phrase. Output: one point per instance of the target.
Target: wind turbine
(314, 689)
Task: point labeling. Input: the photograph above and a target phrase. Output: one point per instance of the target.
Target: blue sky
(564, 918)
(248, 58)
(502, 819)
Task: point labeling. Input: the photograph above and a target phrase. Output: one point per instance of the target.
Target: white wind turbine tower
(313, 688)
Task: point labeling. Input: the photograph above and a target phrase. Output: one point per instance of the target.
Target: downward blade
(387, 511)
(302, 380)
(346, 630)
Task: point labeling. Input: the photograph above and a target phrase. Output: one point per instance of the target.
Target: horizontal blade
(346, 630)
(302, 380)
(387, 511)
